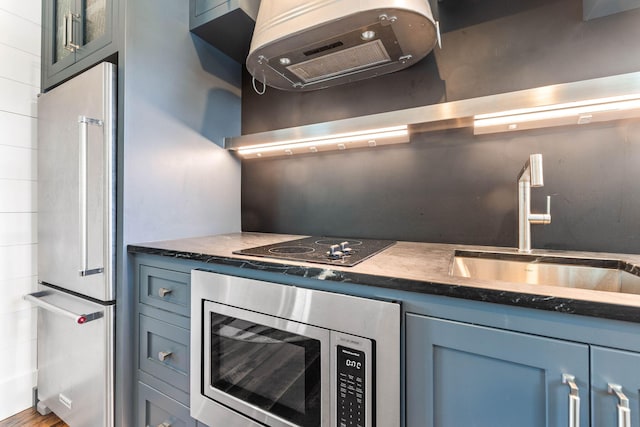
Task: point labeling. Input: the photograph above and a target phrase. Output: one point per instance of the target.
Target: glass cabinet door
(94, 20)
(74, 30)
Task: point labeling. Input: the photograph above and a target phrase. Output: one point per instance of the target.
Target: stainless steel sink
(597, 274)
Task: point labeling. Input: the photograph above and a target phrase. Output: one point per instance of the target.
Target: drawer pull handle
(164, 355)
(624, 412)
(165, 424)
(574, 400)
(163, 292)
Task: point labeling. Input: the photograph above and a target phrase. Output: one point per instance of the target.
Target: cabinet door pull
(67, 36)
(163, 292)
(165, 424)
(65, 32)
(624, 412)
(574, 400)
(164, 355)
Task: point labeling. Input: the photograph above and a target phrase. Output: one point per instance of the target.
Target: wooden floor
(31, 417)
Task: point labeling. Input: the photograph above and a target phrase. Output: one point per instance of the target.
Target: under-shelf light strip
(338, 140)
(557, 111)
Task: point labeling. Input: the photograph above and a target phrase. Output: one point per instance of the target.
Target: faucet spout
(531, 175)
(532, 171)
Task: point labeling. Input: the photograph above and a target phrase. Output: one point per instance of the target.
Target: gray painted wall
(177, 97)
(181, 96)
(451, 186)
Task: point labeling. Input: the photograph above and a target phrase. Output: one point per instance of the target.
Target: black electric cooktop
(346, 252)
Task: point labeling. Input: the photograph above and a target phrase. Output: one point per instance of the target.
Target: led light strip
(579, 112)
(369, 138)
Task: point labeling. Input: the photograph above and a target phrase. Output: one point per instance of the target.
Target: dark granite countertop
(414, 267)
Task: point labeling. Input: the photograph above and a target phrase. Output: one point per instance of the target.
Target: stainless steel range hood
(303, 45)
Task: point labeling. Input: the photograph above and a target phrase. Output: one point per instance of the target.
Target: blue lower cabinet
(461, 374)
(164, 352)
(157, 410)
(610, 370)
(163, 297)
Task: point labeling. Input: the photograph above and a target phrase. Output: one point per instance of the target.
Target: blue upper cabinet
(467, 375)
(76, 34)
(225, 24)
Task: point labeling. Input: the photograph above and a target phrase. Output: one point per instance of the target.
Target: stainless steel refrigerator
(76, 248)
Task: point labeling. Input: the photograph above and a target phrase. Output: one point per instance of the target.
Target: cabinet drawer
(165, 289)
(154, 409)
(164, 352)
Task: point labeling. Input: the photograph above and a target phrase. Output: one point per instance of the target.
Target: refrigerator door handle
(84, 122)
(80, 319)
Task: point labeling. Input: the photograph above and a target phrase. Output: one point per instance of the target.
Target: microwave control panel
(351, 386)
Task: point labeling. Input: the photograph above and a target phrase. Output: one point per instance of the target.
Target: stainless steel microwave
(277, 355)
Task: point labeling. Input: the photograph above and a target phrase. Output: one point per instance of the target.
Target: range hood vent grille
(345, 61)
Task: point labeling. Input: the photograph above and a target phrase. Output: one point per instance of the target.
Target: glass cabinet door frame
(78, 21)
(50, 43)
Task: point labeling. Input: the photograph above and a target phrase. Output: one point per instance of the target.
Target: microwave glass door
(278, 370)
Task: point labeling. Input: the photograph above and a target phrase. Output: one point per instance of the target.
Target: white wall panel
(19, 86)
(25, 9)
(18, 326)
(16, 390)
(24, 66)
(18, 97)
(18, 130)
(18, 196)
(18, 229)
(18, 163)
(17, 261)
(13, 291)
(18, 31)
(19, 358)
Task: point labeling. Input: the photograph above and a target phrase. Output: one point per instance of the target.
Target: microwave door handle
(80, 319)
(84, 123)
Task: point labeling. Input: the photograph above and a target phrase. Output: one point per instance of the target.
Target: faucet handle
(549, 208)
(543, 218)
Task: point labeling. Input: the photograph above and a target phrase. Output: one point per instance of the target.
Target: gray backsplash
(453, 187)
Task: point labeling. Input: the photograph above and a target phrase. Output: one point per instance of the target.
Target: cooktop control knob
(334, 252)
(344, 247)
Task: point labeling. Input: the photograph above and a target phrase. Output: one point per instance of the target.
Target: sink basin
(585, 273)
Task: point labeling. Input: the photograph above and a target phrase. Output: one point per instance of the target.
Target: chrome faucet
(530, 176)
